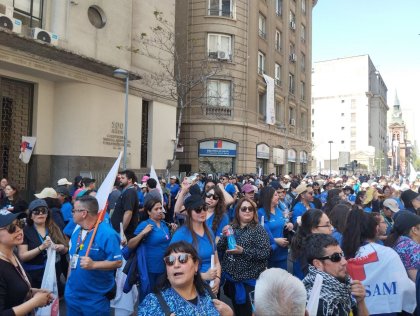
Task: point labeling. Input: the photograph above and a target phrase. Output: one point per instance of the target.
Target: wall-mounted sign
(115, 137)
(291, 155)
(278, 156)
(217, 148)
(263, 151)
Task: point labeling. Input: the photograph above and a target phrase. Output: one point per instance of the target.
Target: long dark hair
(177, 247)
(339, 215)
(266, 196)
(310, 220)
(332, 200)
(236, 221)
(360, 227)
(219, 209)
(189, 225)
(359, 197)
(16, 189)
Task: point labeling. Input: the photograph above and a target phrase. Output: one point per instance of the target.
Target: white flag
(153, 175)
(107, 185)
(26, 148)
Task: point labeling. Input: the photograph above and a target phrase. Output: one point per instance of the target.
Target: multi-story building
(349, 114)
(254, 114)
(57, 63)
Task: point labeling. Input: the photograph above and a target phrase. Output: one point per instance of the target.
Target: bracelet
(39, 249)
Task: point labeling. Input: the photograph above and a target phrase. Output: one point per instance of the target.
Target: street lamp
(330, 142)
(123, 74)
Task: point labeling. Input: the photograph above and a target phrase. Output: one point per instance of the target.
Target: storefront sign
(278, 156)
(263, 151)
(217, 148)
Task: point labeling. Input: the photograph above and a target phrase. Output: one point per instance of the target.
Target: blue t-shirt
(338, 236)
(66, 209)
(156, 242)
(299, 209)
(276, 225)
(223, 222)
(93, 283)
(205, 247)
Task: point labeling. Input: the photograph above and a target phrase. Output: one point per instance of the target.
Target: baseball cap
(404, 220)
(194, 201)
(63, 181)
(407, 196)
(46, 193)
(144, 179)
(63, 191)
(174, 177)
(392, 205)
(37, 203)
(6, 217)
(246, 188)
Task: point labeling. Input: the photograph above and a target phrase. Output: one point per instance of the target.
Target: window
(292, 119)
(221, 8)
(29, 12)
(292, 20)
(303, 122)
(302, 91)
(292, 52)
(277, 74)
(218, 93)
(277, 41)
(219, 46)
(261, 63)
(303, 3)
(279, 111)
(279, 4)
(261, 26)
(302, 62)
(291, 83)
(302, 33)
(262, 108)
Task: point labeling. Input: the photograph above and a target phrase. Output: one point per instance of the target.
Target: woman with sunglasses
(40, 233)
(374, 264)
(196, 232)
(243, 265)
(274, 223)
(12, 202)
(216, 209)
(17, 297)
(181, 291)
(155, 236)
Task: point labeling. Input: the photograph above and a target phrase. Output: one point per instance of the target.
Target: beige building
(254, 113)
(57, 60)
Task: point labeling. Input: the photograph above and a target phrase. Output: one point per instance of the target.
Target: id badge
(73, 261)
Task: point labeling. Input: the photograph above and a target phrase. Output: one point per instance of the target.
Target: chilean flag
(26, 148)
(218, 143)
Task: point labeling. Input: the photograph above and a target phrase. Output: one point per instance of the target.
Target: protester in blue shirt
(64, 197)
(274, 223)
(303, 201)
(91, 283)
(216, 209)
(196, 232)
(154, 234)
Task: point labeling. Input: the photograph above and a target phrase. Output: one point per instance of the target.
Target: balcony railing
(217, 12)
(218, 111)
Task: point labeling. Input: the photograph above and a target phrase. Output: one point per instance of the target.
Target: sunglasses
(11, 228)
(247, 209)
(78, 211)
(201, 209)
(40, 211)
(212, 196)
(182, 259)
(335, 257)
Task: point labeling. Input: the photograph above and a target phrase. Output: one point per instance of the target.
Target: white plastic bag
(49, 282)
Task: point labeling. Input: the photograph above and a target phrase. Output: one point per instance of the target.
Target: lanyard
(80, 243)
(40, 237)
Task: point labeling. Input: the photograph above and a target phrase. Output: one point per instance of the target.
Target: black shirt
(13, 288)
(128, 201)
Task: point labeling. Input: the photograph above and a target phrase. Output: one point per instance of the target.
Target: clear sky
(387, 30)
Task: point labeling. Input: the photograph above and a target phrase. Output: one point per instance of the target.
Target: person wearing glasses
(40, 234)
(217, 218)
(242, 266)
(91, 282)
(374, 265)
(17, 297)
(274, 223)
(196, 232)
(339, 295)
(181, 291)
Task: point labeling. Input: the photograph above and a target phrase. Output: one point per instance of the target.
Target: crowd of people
(207, 245)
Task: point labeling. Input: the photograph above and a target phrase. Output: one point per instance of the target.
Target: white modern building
(349, 114)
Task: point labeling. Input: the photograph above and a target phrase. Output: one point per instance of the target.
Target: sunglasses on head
(171, 259)
(212, 196)
(247, 209)
(40, 211)
(200, 209)
(335, 257)
(11, 228)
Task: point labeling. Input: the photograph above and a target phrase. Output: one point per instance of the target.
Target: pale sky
(388, 31)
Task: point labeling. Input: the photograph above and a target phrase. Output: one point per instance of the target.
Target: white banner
(388, 288)
(270, 117)
(26, 148)
(106, 187)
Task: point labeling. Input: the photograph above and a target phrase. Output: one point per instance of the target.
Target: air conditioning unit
(44, 36)
(293, 25)
(292, 122)
(10, 23)
(223, 55)
(213, 55)
(292, 57)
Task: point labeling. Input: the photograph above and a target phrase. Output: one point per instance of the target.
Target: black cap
(6, 217)
(193, 202)
(404, 220)
(407, 196)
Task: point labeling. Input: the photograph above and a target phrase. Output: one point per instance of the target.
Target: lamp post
(330, 142)
(123, 74)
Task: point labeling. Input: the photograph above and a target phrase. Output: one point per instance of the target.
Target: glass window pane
(212, 43)
(212, 94)
(37, 8)
(225, 43)
(214, 7)
(24, 5)
(225, 93)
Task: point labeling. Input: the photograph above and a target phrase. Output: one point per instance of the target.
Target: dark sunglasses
(247, 209)
(200, 209)
(11, 228)
(335, 257)
(182, 259)
(212, 196)
(40, 211)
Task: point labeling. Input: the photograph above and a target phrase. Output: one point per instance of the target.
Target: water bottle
(230, 238)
